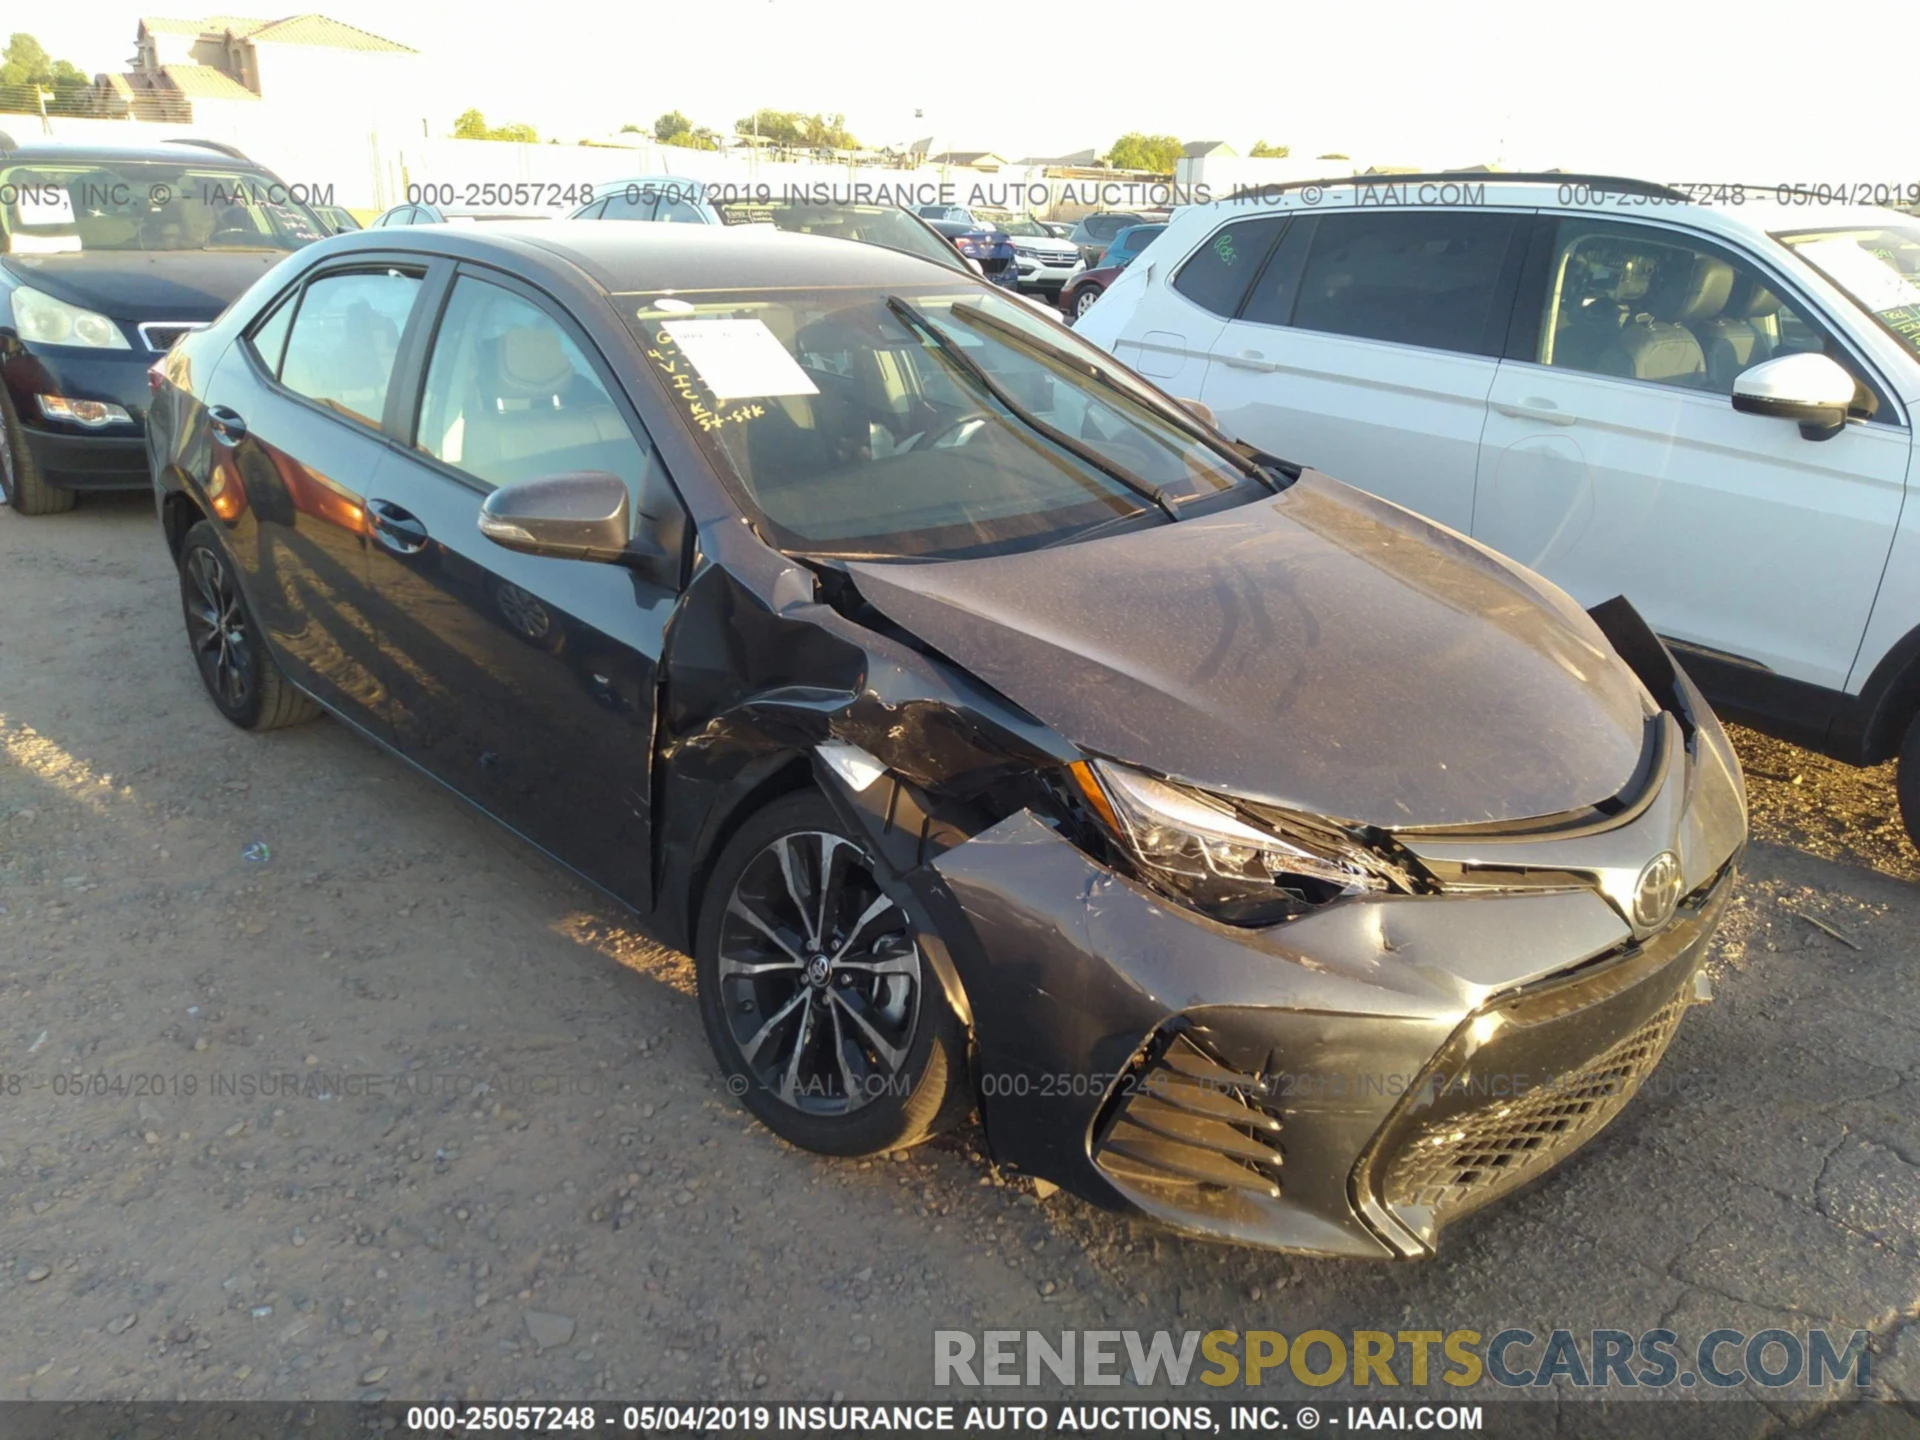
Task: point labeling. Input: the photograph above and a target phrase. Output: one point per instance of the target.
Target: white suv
(1706, 407)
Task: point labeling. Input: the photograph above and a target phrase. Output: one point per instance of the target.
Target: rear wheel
(817, 994)
(1083, 302)
(20, 479)
(243, 680)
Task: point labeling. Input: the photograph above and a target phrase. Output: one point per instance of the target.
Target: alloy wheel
(217, 628)
(1083, 302)
(820, 978)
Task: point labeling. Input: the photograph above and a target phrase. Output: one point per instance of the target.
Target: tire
(1083, 302)
(243, 680)
(20, 479)
(859, 1053)
(1907, 781)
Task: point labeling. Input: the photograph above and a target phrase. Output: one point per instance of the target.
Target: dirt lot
(391, 1105)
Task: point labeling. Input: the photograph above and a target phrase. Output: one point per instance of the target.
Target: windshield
(869, 224)
(855, 424)
(1877, 266)
(49, 207)
(1025, 227)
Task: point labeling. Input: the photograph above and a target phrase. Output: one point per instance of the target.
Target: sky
(1681, 91)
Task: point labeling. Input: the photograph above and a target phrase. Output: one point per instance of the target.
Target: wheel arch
(1886, 706)
(179, 513)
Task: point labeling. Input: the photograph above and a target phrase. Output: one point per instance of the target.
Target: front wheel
(21, 483)
(816, 989)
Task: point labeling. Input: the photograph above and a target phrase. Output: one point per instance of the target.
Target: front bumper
(1037, 273)
(1353, 1081)
(72, 456)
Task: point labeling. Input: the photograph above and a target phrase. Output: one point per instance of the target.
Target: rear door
(525, 683)
(297, 411)
(1177, 318)
(1367, 348)
(1615, 464)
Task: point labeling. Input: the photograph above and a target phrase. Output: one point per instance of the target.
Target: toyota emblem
(1657, 891)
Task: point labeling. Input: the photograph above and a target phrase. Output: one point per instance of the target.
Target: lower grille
(1526, 1081)
(1463, 1162)
(1179, 1118)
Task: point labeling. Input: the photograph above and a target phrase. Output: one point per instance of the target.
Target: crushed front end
(1353, 1079)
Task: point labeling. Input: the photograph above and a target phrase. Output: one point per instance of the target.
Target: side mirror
(579, 515)
(1813, 389)
(1200, 411)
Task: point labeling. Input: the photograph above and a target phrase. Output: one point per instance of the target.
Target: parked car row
(973, 709)
(1078, 295)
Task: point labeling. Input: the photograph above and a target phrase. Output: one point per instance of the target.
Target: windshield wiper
(1172, 414)
(1140, 486)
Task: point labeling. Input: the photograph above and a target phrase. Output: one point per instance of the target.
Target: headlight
(1217, 856)
(38, 317)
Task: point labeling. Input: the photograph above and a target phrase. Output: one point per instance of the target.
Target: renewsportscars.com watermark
(1512, 1358)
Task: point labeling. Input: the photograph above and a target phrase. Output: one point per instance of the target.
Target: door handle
(397, 529)
(226, 424)
(1249, 360)
(1534, 409)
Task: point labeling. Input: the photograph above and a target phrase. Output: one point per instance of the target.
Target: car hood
(146, 284)
(1321, 649)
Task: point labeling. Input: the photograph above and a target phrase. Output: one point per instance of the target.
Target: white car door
(1614, 462)
(1368, 345)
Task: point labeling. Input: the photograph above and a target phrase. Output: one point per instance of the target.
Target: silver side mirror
(1813, 389)
(579, 515)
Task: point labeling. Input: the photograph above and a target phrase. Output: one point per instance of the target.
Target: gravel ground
(396, 1107)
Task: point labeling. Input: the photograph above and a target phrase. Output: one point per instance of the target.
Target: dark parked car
(108, 254)
(337, 218)
(1079, 293)
(770, 583)
(1097, 231)
(987, 246)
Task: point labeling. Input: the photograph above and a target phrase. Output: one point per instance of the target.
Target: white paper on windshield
(44, 205)
(739, 359)
(1872, 282)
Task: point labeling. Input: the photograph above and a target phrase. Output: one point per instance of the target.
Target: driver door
(526, 683)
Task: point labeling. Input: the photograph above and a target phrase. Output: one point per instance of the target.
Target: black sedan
(108, 254)
(990, 728)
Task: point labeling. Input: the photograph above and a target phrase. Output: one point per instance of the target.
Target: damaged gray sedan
(994, 732)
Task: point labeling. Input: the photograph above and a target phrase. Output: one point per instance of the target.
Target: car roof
(106, 154)
(1728, 209)
(623, 259)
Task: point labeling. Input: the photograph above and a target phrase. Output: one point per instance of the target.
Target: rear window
(1216, 276)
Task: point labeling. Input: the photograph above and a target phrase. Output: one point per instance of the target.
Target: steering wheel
(933, 440)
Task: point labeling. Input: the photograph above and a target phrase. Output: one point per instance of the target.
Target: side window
(270, 338)
(593, 211)
(1216, 275)
(1642, 303)
(679, 208)
(1418, 277)
(345, 337)
(510, 397)
(633, 202)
